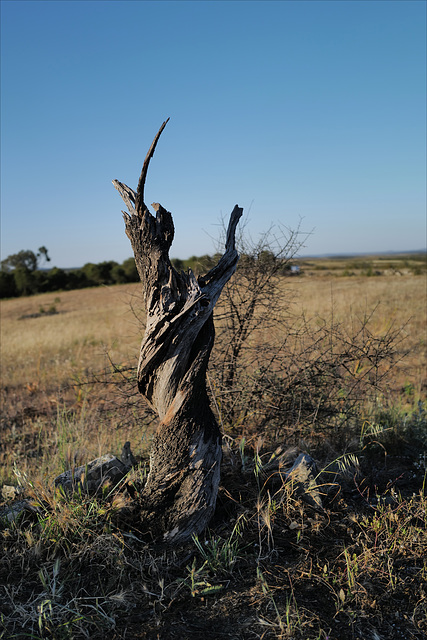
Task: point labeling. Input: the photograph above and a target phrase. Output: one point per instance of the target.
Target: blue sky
(305, 110)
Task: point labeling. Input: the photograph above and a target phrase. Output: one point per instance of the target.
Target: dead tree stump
(179, 497)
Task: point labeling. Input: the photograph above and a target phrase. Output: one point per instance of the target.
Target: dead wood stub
(180, 493)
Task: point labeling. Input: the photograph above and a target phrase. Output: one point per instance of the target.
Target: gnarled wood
(179, 497)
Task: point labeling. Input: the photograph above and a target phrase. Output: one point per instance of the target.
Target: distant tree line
(21, 274)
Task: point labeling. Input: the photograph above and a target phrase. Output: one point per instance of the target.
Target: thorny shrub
(277, 373)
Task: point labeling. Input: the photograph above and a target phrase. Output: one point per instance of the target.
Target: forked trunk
(179, 497)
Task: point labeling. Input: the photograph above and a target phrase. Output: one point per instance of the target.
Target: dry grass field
(270, 566)
(394, 301)
(47, 349)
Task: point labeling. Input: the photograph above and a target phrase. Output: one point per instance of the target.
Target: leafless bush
(293, 376)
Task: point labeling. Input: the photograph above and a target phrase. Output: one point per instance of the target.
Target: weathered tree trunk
(179, 497)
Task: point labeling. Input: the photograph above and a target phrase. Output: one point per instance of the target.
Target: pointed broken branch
(139, 201)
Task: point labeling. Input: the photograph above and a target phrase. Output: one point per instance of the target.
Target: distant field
(43, 350)
(397, 300)
(366, 265)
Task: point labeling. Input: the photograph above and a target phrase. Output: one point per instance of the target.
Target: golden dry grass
(48, 350)
(49, 418)
(398, 301)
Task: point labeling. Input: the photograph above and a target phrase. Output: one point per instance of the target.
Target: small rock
(12, 512)
(92, 477)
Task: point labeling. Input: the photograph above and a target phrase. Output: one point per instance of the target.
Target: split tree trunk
(179, 497)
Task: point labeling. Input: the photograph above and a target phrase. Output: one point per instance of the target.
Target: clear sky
(306, 109)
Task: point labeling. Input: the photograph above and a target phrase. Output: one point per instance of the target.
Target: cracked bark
(179, 497)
